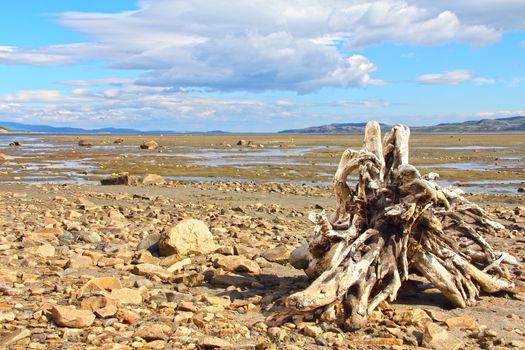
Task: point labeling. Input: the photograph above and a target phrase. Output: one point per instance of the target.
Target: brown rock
(278, 254)
(127, 296)
(237, 263)
(411, 317)
(67, 316)
(79, 262)
(149, 145)
(153, 179)
(462, 322)
(13, 337)
(437, 338)
(153, 331)
(150, 270)
(214, 343)
(99, 284)
(107, 311)
(188, 236)
(117, 180)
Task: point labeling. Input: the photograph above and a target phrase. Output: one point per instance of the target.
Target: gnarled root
(393, 221)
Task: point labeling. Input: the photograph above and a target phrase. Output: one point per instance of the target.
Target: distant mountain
(336, 128)
(19, 127)
(484, 125)
(3, 130)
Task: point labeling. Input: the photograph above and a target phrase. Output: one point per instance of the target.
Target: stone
(13, 337)
(79, 262)
(99, 284)
(149, 145)
(84, 143)
(312, 331)
(90, 237)
(462, 322)
(188, 236)
(215, 300)
(106, 311)
(150, 242)
(127, 296)
(43, 251)
(231, 279)
(278, 254)
(189, 279)
(67, 316)
(179, 265)
(149, 270)
(153, 179)
(299, 257)
(153, 331)
(126, 180)
(237, 263)
(411, 317)
(438, 338)
(209, 342)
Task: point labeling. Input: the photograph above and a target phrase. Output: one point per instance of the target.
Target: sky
(259, 65)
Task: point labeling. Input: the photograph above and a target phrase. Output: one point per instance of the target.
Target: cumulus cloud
(260, 45)
(141, 107)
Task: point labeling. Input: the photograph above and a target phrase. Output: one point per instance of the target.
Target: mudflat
(62, 233)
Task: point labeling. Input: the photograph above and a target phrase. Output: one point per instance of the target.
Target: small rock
(153, 179)
(437, 338)
(278, 254)
(99, 284)
(312, 331)
(149, 270)
(70, 317)
(117, 180)
(462, 322)
(84, 143)
(237, 263)
(153, 331)
(149, 145)
(127, 296)
(79, 262)
(214, 343)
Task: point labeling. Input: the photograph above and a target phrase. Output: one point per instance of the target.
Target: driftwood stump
(392, 222)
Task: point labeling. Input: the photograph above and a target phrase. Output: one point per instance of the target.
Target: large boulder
(188, 236)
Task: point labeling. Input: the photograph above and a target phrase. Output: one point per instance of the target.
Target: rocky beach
(192, 253)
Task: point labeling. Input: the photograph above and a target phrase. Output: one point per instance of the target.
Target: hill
(19, 127)
(483, 125)
(3, 130)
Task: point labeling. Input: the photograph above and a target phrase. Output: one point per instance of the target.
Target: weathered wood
(393, 221)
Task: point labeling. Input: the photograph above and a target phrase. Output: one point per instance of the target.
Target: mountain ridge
(19, 127)
(506, 124)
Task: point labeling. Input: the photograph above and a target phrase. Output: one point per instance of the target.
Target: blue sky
(260, 65)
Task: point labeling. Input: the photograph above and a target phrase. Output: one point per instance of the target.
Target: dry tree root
(392, 221)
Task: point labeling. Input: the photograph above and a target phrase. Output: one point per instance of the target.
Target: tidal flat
(62, 232)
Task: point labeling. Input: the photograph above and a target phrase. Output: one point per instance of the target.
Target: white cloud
(258, 45)
(141, 107)
(484, 81)
(453, 77)
(117, 81)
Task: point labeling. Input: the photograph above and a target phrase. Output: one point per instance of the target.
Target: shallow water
(29, 162)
